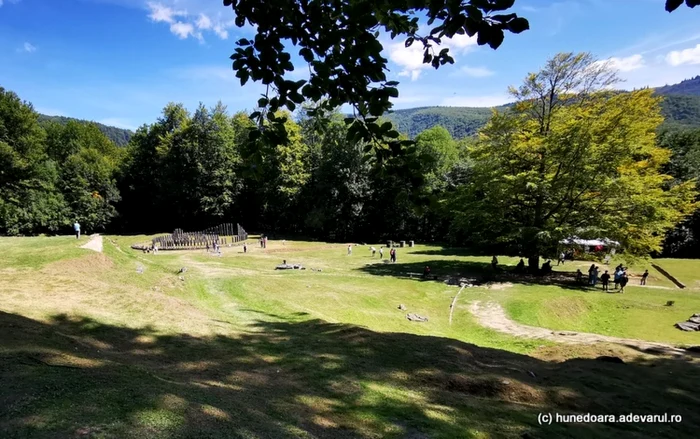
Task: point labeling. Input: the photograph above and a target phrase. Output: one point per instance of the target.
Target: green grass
(685, 270)
(93, 347)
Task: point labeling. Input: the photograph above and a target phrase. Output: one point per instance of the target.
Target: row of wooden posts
(223, 234)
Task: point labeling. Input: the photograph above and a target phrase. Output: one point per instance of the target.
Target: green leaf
(518, 25)
(672, 5)
(496, 38)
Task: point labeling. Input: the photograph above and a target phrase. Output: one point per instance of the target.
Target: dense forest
(459, 121)
(119, 136)
(196, 169)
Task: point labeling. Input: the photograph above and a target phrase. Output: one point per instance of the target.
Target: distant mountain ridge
(681, 106)
(688, 87)
(119, 136)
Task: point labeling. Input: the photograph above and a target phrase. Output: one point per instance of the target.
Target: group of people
(620, 277)
(392, 252)
(216, 249)
(263, 242)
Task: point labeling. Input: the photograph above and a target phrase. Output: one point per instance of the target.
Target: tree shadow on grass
(450, 251)
(75, 377)
(475, 272)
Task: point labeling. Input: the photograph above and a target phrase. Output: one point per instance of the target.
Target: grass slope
(92, 348)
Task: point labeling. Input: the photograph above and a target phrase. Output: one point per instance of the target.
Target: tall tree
(684, 239)
(30, 202)
(334, 200)
(87, 162)
(571, 159)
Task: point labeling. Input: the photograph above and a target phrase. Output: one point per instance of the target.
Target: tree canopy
(53, 176)
(339, 42)
(571, 159)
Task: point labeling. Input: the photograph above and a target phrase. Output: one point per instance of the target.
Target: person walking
(596, 270)
(76, 229)
(562, 257)
(373, 250)
(245, 248)
(605, 280)
(623, 281)
(644, 278)
(590, 274)
(349, 249)
(381, 252)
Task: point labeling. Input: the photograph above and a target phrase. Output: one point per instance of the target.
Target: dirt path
(492, 315)
(94, 244)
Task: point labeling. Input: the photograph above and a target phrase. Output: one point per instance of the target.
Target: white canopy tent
(589, 242)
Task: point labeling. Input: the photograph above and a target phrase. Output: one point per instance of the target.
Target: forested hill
(459, 121)
(687, 87)
(119, 136)
(678, 109)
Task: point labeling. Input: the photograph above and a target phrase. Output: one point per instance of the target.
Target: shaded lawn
(91, 348)
(308, 378)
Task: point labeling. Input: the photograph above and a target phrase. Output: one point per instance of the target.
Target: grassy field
(119, 344)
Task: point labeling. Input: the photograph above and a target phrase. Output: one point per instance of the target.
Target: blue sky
(120, 61)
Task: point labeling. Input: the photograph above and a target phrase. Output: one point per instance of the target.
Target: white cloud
(204, 22)
(221, 31)
(689, 56)
(184, 24)
(410, 59)
(476, 101)
(474, 72)
(183, 30)
(626, 64)
(27, 48)
(160, 12)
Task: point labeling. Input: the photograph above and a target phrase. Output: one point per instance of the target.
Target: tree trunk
(533, 264)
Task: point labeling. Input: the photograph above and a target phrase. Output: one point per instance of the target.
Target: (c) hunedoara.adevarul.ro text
(588, 418)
